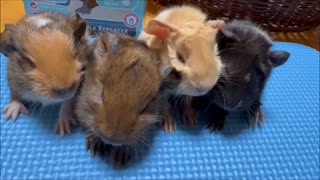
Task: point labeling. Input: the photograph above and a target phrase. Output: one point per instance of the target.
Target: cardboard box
(124, 16)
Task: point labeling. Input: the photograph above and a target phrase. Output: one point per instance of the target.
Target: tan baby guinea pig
(46, 58)
(186, 39)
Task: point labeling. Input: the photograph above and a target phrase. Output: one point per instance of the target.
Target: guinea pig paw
(216, 24)
(190, 117)
(63, 126)
(120, 156)
(95, 145)
(13, 109)
(260, 116)
(257, 119)
(215, 127)
(169, 124)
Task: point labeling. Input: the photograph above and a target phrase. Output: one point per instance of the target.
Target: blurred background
(288, 20)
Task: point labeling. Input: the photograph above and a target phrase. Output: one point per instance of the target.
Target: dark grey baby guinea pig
(245, 52)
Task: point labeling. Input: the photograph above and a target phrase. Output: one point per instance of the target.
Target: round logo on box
(131, 20)
(33, 5)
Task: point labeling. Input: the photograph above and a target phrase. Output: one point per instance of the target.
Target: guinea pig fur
(245, 53)
(186, 40)
(121, 97)
(47, 53)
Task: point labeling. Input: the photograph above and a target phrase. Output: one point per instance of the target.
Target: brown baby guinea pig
(122, 96)
(47, 53)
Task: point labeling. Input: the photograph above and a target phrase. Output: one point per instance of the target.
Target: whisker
(177, 100)
(134, 149)
(230, 82)
(182, 100)
(142, 139)
(223, 96)
(251, 115)
(240, 47)
(232, 75)
(31, 108)
(220, 52)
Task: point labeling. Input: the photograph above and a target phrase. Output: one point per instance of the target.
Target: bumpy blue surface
(285, 147)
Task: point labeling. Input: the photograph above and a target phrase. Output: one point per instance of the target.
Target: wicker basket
(274, 15)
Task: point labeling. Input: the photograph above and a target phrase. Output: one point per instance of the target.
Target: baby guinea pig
(121, 97)
(245, 52)
(47, 53)
(186, 40)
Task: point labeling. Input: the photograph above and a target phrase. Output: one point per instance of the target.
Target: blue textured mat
(286, 147)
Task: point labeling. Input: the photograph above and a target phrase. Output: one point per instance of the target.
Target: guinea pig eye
(83, 68)
(31, 64)
(180, 57)
(102, 95)
(144, 109)
(148, 105)
(260, 75)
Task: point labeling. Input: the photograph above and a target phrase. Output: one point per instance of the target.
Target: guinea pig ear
(216, 24)
(229, 36)
(9, 27)
(159, 29)
(79, 27)
(7, 42)
(226, 38)
(171, 77)
(103, 44)
(108, 43)
(278, 58)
